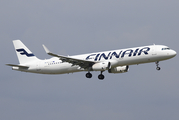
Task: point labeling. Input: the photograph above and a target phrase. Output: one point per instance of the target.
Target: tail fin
(23, 53)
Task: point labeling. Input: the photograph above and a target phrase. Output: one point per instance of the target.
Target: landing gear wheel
(101, 76)
(157, 64)
(88, 75)
(158, 68)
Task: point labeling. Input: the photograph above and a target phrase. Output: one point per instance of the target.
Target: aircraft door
(38, 66)
(154, 50)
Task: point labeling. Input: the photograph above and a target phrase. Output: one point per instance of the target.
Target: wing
(74, 61)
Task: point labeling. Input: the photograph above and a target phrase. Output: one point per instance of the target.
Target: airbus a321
(114, 61)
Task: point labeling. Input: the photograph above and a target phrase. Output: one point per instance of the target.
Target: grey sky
(76, 27)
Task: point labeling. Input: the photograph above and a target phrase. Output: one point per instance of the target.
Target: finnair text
(120, 54)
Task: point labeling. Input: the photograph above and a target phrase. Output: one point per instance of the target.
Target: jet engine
(120, 69)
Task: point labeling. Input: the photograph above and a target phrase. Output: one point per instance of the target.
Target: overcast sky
(70, 27)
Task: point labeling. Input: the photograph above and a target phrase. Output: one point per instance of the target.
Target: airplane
(114, 61)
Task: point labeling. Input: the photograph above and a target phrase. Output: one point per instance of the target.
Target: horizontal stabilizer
(21, 66)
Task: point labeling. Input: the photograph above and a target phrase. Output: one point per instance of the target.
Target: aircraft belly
(137, 60)
(60, 69)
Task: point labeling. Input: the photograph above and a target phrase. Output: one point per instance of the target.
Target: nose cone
(173, 53)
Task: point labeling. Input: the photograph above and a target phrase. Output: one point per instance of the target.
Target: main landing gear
(88, 75)
(157, 64)
(100, 76)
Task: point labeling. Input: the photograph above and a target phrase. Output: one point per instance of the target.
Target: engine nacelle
(101, 66)
(120, 69)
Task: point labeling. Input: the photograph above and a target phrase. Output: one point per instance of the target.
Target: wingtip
(46, 49)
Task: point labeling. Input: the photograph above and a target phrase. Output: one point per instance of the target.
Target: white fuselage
(121, 57)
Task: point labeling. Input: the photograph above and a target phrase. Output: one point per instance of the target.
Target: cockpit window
(165, 48)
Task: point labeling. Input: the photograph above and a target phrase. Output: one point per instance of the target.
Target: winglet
(46, 49)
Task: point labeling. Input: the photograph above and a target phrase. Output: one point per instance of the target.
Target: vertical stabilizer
(23, 53)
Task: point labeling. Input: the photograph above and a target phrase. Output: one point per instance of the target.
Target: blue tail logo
(24, 52)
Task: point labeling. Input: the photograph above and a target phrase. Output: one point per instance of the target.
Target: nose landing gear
(157, 64)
